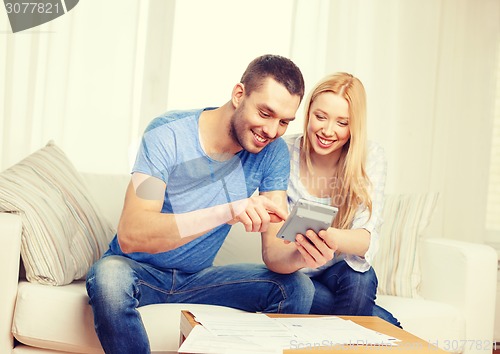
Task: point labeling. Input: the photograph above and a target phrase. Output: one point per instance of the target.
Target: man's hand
(256, 213)
(316, 249)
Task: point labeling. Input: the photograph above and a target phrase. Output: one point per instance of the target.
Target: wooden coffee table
(409, 344)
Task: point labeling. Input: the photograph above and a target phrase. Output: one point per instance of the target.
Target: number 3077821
(33, 8)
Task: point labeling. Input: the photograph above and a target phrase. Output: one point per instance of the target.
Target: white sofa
(456, 306)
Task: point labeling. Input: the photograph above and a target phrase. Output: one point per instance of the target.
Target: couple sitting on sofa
(190, 183)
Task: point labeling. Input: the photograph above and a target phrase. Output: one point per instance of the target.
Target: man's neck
(215, 135)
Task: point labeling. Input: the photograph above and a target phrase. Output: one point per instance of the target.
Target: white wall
(215, 40)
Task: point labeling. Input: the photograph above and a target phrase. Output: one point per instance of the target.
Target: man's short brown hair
(281, 69)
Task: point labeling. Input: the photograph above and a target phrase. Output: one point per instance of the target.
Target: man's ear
(237, 94)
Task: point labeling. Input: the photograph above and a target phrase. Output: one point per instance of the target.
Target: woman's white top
(376, 169)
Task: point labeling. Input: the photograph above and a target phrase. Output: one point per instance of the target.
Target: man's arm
(144, 228)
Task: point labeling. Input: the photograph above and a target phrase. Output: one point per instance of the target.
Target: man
(194, 176)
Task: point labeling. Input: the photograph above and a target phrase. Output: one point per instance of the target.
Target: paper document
(200, 340)
(241, 333)
(331, 330)
(240, 324)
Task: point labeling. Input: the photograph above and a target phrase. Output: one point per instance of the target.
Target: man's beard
(238, 131)
(234, 131)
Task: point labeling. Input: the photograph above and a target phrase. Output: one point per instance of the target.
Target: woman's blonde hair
(351, 183)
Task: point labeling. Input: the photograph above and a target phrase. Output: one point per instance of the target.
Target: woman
(332, 163)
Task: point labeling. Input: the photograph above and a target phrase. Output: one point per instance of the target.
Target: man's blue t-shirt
(171, 151)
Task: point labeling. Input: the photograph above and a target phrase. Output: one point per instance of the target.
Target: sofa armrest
(462, 274)
(10, 239)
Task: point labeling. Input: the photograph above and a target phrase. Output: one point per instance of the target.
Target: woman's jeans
(340, 290)
(117, 285)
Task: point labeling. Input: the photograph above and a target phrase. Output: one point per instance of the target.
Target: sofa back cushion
(240, 247)
(63, 231)
(397, 262)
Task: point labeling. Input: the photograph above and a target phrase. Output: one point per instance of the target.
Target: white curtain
(84, 80)
(464, 111)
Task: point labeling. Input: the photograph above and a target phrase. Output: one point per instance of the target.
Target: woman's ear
(237, 94)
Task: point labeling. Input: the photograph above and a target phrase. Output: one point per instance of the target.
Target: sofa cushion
(63, 232)
(60, 318)
(438, 323)
(397, 261)
(41, 319)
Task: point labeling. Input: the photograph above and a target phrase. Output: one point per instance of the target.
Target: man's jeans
(340, 290)
(117, 285)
